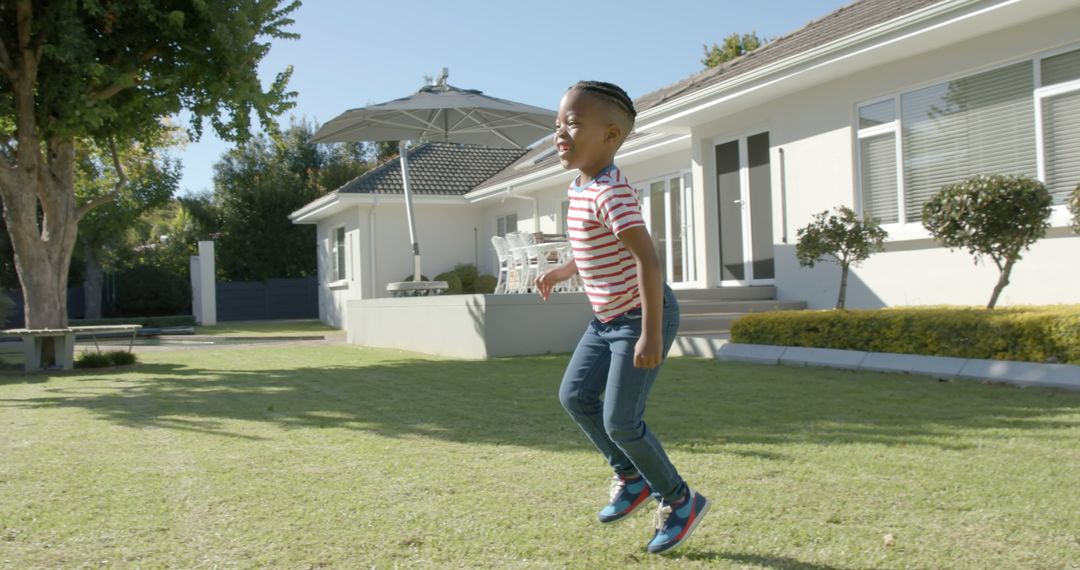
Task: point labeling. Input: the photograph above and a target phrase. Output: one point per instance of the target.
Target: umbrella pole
(409, 210)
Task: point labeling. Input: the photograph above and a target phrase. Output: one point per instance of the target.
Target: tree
(258, 184)
(843, 239)
(152, 179)
(734, 46)
(1074, 208)
(111, 72)
(994, 215)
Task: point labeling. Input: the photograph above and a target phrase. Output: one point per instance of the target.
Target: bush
(485, 284)
(997, 216)
(105, 359)
(147, 291)
(466, 279)
(1035, 334)
(843, 239)
(453, 282)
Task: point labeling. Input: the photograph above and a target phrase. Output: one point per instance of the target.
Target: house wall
(815, 130)
(552, 194)
(448, 234)
(334, 295)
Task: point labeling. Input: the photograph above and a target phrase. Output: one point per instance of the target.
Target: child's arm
(650, 347)
(548, 279)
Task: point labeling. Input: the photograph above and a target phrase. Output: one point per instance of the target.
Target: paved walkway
(1005, 371)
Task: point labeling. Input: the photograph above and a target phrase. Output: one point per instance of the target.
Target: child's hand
(545, 283)
(649, 351)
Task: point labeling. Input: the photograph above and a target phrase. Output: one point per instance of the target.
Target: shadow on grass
(777, 562)
(697, 405)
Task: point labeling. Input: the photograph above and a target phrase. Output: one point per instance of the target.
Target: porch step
(761, 292)
(707, 315)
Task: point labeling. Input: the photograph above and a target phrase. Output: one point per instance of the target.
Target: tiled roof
(846, 21)
(444, 169)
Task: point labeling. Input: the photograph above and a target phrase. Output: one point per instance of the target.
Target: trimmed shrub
(466, 279)
(453, 282)
(993, 215)
(485, 284)
(105, 359)
(842, 238)
(1034, 334)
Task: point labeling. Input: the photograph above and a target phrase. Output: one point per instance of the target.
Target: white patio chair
(506, 263)
(521, 262)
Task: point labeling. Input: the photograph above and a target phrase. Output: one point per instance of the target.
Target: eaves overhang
(920, 31)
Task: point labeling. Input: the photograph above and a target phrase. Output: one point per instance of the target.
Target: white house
(875, 106)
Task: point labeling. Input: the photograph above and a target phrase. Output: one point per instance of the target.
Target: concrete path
(1020, 373)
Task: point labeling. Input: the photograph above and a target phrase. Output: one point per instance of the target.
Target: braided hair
(612, 95)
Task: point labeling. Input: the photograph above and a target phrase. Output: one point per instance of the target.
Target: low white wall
(471, 326)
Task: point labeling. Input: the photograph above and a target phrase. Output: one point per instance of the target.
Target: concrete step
(707, 306)
(761, 292)
(707, 316)
(701, 345)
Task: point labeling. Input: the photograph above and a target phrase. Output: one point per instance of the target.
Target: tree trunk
(843, 286)
(91, 282)
(42, 249)
(1003, 281)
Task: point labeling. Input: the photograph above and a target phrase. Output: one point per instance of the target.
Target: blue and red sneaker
(675, 522)
(626, 496)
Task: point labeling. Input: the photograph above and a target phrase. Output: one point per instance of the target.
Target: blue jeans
(603, 365)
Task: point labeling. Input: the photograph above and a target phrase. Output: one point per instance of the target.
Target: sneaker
(626, 497)
(674, 524)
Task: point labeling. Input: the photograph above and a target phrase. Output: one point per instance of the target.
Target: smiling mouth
(563, 148)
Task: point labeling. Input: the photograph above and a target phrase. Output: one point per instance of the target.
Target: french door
(744, 202)
(668, 207)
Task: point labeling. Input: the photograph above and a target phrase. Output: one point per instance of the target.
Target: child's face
(585, 136)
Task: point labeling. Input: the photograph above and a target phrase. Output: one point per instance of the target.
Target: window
(912, 145)
(338, 253)
(505, 224)
(564, 211)
(1058, 116)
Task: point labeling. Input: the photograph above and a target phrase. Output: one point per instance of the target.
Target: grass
(343, 457)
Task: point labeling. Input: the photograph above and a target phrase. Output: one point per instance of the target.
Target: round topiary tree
(995, 215)
(843, 238)
(1074, 208)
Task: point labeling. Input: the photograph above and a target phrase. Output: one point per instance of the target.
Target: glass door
(667, 206)
(744, 202)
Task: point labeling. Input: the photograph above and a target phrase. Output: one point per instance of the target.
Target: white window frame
(339, 260)
(503, 220)
(907, 230)
(687, 204)
(1060, 216)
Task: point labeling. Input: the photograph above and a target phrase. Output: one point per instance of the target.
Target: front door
(744, 201)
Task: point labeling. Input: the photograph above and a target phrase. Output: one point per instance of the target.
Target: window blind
(1061, 141)
(877, 163)
(1061, 68)
(975, 125)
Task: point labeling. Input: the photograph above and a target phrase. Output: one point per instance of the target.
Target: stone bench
(45, 349)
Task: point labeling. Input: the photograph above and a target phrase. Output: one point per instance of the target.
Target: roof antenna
(442, 78)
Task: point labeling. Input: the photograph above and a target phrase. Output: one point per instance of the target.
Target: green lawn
(343, 457)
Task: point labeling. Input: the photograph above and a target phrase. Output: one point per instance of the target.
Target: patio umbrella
(441, 113)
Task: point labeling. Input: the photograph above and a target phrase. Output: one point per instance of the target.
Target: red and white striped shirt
(599, 211)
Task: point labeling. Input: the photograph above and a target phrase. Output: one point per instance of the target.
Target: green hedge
(1027, 333)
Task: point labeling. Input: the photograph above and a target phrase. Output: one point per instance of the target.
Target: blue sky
(355, 53)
